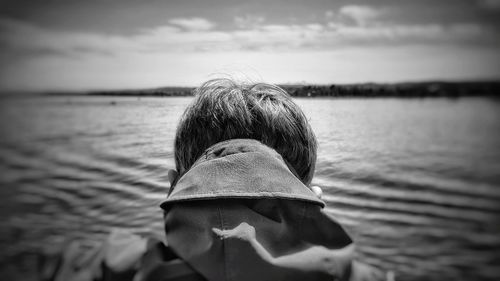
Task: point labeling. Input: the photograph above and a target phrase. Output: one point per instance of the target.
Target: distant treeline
(423, 89)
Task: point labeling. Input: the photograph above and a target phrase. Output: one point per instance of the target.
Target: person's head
(223, 109)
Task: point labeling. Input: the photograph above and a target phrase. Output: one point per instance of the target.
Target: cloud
(24, 38)
(198, 35)
(248, 21)
(359, 13)
(193, 24)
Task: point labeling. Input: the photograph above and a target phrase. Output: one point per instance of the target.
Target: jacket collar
(240, 168)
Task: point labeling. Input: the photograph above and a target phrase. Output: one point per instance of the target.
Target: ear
(172, 176)
(317, 191)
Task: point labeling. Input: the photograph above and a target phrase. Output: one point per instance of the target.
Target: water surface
(414, 181)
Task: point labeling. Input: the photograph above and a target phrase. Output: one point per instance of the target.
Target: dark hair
(223, 110)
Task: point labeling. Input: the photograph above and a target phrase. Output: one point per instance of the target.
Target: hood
(240, 168)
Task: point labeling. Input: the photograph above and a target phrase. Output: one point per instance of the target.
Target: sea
(415, 182)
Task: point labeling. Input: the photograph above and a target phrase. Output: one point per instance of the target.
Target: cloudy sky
(111, 44)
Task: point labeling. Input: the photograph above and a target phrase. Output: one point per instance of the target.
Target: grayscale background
(409, 133)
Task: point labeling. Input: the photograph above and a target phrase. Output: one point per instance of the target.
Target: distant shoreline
(401, 90)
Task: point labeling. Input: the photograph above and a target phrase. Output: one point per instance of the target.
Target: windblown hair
(223, 110)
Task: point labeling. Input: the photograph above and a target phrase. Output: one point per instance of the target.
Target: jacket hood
(240, 168)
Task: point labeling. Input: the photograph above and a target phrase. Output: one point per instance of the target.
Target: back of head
(223, 110)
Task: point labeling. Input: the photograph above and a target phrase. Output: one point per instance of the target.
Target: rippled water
(415, 182)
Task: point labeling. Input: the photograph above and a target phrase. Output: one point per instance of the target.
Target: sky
(73, 45)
